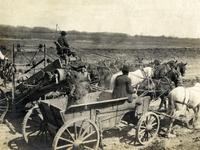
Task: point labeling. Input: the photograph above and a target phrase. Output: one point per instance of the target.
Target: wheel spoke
(85, 131)
(142, 127)
(64, 139)
(153, 120)
(88, 148)
(143, 124)
(70, 134)
(65, 146)
(88, 135)
(90, 141)
(37, 136)
(147, 136)
(75, 131)
(3, 100)
(143, 137)
(3, 107)
(38, 121)
(31, 133)
(81, 128)
(154, 124)
(148, 119)
(151, 133)
(143, 130)
(142, 134)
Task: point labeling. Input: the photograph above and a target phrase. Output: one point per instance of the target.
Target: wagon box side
(53, 114)
(107, 113)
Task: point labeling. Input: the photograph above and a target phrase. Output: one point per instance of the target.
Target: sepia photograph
(99, 75)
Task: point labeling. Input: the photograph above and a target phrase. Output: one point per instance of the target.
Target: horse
(2, 57)
(136, 77)
(181, 67)
(162, 70)
(155, 88)
(180, 100)
(166, 77)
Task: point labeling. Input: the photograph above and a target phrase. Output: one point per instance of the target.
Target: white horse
(181, 98)
(136, 77)
(2, 57)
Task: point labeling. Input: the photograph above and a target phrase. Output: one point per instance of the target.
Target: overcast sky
(143, 17)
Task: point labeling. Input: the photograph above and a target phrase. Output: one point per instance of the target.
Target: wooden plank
(99, 102)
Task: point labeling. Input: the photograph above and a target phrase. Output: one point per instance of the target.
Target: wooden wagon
(80, 126)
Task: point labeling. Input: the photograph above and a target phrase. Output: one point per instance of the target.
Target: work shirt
(63, 42)
(122, 87)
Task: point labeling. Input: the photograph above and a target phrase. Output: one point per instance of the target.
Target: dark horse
(167, 77)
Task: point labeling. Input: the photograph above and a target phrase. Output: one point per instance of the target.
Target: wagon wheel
(147, 128)
(79, 134)
(4, 105)
(34, 128)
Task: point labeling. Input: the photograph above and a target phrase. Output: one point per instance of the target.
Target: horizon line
(104, 32)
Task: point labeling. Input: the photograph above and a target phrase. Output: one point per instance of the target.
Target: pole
(13, 80)
(45, 55)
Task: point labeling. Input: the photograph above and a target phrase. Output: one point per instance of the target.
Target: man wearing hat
(63, 46)
(123, 86)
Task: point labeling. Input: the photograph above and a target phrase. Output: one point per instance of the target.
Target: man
(83, 74)
(63, 46)
(123, 86)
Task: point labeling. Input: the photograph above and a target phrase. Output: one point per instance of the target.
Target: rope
(34, 55)
(25, 56)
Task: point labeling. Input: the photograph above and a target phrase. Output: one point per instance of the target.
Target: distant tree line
(98, 38)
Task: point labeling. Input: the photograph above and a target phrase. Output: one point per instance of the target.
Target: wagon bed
(93, 117)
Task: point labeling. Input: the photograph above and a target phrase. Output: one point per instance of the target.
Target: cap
(125, 69)
(63, 33)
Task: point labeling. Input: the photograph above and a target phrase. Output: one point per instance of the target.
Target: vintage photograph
(99, 75)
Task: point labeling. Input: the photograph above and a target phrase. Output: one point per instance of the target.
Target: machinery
(50, 78)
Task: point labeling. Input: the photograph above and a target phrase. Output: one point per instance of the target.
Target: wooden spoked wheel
(4, 105)
(147, 128)
(34, 128)
(79, 134)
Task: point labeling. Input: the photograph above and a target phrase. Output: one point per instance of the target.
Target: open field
(93, 54)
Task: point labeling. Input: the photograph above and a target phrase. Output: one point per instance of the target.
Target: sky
(180, 18)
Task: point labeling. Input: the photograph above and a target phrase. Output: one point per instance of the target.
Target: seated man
(122, 87)
(63, 46)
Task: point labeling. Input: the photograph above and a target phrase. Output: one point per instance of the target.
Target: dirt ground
(118, 140)
(115, 139)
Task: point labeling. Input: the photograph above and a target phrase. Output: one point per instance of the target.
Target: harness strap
(184, 103)
(143, 73)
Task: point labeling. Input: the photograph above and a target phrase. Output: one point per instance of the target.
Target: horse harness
(184, 101)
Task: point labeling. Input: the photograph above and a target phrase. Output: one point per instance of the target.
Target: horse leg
(4, 83)
(168, 133)
(163, 102)
(196, 116)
